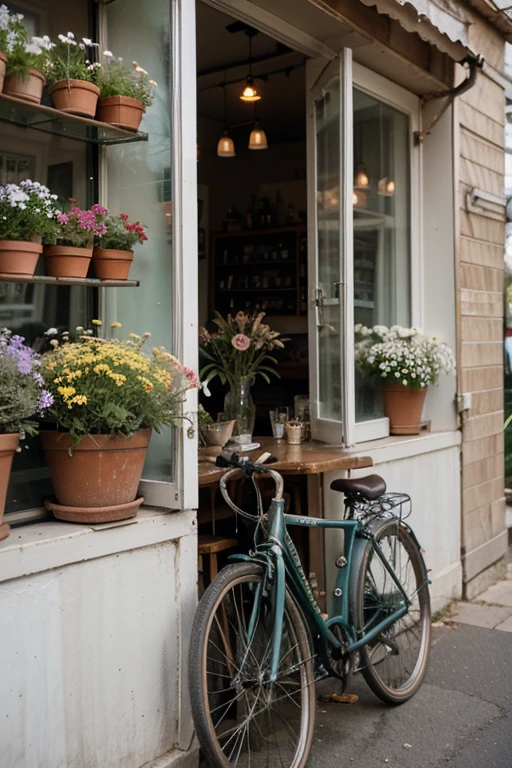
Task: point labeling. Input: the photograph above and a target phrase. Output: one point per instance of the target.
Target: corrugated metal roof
(439, 22)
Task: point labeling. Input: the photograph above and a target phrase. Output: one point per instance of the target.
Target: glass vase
(239, 405)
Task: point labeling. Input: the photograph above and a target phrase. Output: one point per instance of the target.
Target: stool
(211, 545)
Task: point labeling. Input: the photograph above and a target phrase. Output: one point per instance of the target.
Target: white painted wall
(93, 661)
(432, 479)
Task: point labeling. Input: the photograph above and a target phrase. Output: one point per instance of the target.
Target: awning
(439, 22)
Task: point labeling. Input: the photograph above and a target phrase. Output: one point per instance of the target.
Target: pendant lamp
(250, 92)
(385, 186)
(225, 146)
(258, 138)
(361, 180)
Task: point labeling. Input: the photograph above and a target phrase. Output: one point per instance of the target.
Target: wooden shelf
(92, 282)
(39, 117)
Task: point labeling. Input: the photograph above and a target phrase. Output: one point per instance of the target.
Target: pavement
(462, 715)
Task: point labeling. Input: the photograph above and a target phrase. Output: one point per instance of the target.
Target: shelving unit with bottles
(262, 270)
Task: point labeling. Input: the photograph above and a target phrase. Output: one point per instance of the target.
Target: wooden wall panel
(480, 124)
(485, 353)
(478, 450)
(483, 470)
(481, 278)
(479, 252)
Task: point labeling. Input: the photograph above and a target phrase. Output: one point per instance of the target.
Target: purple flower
(46, 400)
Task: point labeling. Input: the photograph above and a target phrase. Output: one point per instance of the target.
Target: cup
(294, 432)
(278, 419)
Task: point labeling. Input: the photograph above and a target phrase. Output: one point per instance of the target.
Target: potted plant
(26, 213)
(22, 397)
(26, 62)
(68, 244)
(71, 75)
(125, 92)
(237, 353)
(408, 362)
(213, 432)
(5, 22)
(108, 397)
(113, 250)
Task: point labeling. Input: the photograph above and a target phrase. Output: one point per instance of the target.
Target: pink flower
(62, 218)
(241, 342)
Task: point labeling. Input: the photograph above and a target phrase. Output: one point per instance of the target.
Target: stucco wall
(93, 662)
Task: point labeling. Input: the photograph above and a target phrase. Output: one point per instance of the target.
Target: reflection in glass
(328, 208)
(382, 229)
(139, 184)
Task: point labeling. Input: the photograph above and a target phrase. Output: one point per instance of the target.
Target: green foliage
(111, 387)
(26, 210)
(120, 233)
(72, 60)
(115, 78)
(239, 349)
(24, 53)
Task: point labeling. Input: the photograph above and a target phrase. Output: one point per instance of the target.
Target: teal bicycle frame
(278, 555)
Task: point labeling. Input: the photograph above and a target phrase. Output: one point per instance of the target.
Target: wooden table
(311, 459)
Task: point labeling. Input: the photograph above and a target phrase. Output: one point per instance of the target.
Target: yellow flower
(101, 367)
(115, 325)
(66, 392)
(58, 380)
(96, 322)
(133, 336)
(79, 399)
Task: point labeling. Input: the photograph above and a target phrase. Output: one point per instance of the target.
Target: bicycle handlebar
(243, 463)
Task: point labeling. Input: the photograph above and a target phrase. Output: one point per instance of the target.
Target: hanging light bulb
(258, 138)
(226, 147)
(386, 187)
(250, 93)
(361, 180)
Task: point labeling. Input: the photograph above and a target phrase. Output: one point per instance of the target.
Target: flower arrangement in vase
(237, 353)
(108, 397)
(71, 74)
(125, 92)
(408, 362)
(68, 244)
(27, 212)
(113, 249)
(22, 398)
(26, 60)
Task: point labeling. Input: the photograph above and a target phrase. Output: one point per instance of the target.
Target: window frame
(404, 101)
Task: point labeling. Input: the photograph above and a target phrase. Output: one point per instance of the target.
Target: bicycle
(260, 641)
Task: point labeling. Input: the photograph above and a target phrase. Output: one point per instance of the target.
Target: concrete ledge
(397, 447)
(40, 547)
(177, 758)
(484, 556)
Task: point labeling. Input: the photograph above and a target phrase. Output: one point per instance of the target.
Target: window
(365, 258)
(382, 228)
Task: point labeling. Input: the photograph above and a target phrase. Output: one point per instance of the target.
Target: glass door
(330, 238)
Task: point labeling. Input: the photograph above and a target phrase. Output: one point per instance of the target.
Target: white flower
(51, 332)
(33, 48)
(153, 83)
(204, 387)
(86, 41)
(71, 36)
(108, 54)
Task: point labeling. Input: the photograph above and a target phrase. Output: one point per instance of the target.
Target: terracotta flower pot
(121, 111)
(66, 261)
(403, 407)
(110, 264)
(98, 482)
(30, 89)
(19, 257)
(8, 446)
(78, 97)
(3, 65)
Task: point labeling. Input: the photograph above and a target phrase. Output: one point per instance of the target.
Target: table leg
(316, 539)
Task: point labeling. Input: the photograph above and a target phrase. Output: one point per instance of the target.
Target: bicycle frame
(278, 554)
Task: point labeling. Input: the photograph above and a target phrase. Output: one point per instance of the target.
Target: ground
(462, 715)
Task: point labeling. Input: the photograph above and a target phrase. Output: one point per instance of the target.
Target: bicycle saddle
(371, 487)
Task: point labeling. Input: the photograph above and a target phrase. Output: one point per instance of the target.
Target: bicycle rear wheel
(242, 718)
(395, 663)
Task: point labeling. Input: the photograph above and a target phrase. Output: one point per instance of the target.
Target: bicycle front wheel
(241, 717)
(394, 664)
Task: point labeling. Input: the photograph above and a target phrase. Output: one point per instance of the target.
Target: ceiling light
(361, 180)
(386, 187)
(226, 147)
(250, 93)
(258, 138)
